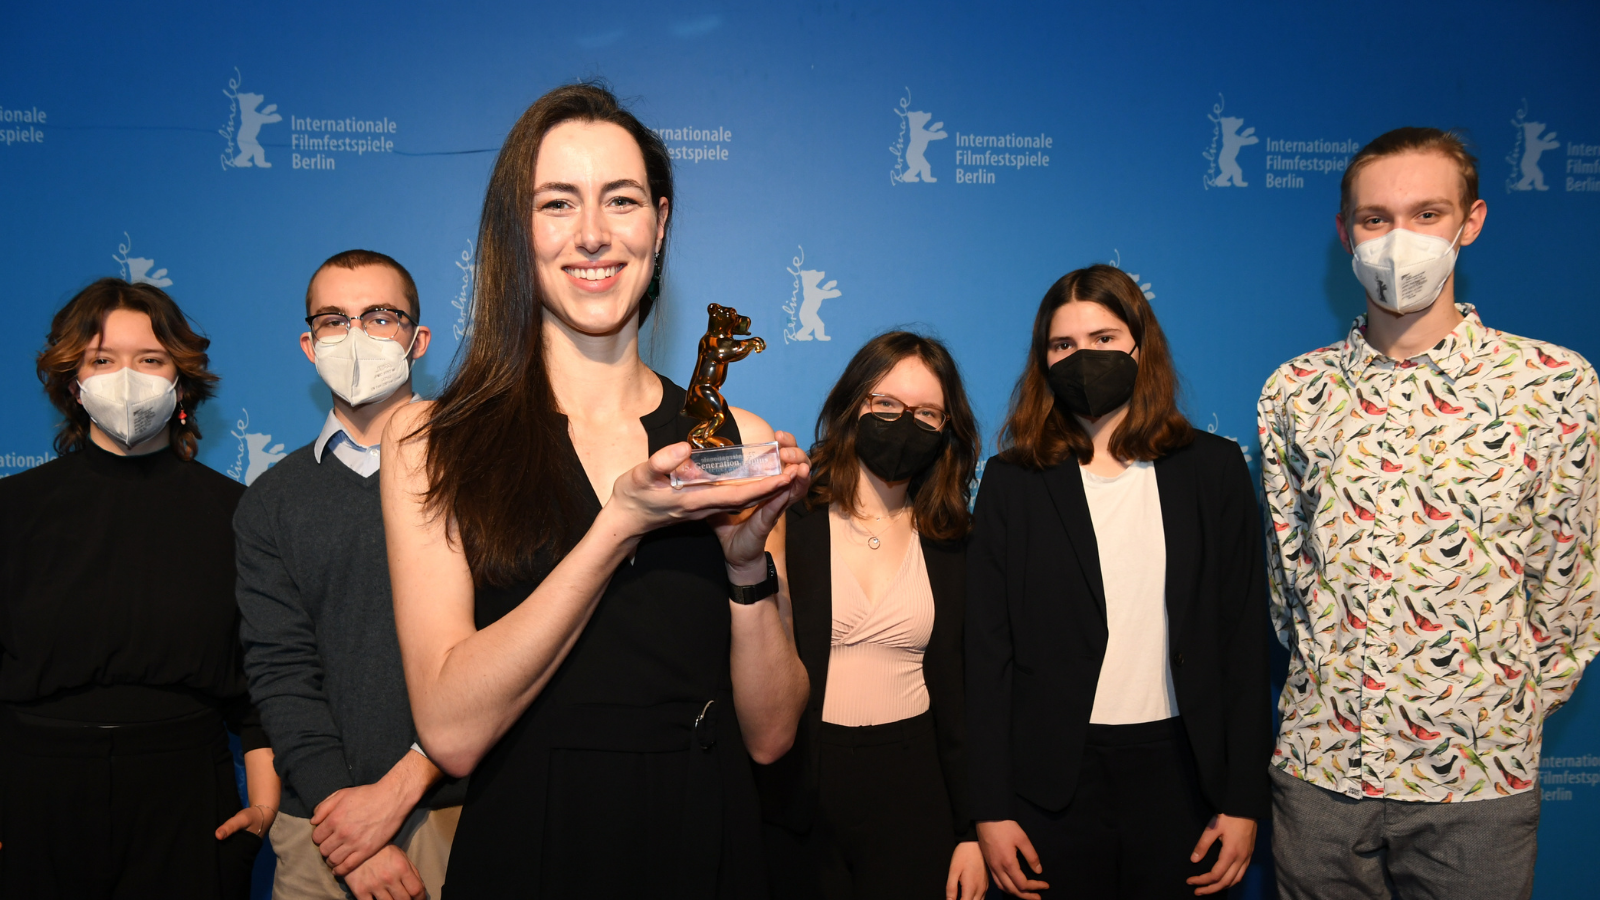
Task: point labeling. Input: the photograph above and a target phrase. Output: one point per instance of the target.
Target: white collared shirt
(361, 460)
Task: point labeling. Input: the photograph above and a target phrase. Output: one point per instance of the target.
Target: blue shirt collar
(332, 427)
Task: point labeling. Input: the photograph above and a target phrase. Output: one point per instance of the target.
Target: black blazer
(788, 787)
(1036, 629)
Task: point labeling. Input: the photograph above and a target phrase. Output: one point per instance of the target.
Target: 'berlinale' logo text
(805, 301)
(257, 453)
(1226, 142)
(911, 146)
(463, 301)
(1531, 142)
(246, 116)
(136, 269)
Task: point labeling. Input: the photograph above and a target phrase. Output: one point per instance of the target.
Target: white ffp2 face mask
(1404, 271)
(361, 368)
(130, 406)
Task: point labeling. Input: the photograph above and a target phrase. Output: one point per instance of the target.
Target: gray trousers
(1327, 846)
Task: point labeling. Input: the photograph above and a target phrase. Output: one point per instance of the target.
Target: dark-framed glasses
(381, 322)
(890, 408)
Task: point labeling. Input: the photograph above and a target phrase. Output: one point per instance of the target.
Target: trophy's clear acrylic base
(717, 465)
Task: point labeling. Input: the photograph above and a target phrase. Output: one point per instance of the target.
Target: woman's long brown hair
(77, 325)
(496, 465)
(939, 495)
(1039, 433)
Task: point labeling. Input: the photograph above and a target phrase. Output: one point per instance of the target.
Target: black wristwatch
(746, 594)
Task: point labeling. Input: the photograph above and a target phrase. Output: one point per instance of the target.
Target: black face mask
(1092, 383)
(898, 449)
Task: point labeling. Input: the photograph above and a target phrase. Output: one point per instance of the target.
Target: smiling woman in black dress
(575, 632)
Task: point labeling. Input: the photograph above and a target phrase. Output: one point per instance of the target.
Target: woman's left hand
(744, 535)
(969, 877)
(1238, 836)
(255, 819)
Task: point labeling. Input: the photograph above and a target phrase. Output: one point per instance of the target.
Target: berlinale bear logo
(805, 301)
(1226, 142)
(910, 148)
(243, 131)
(257, 453)
(1144, 286)
(917, 168)
(1532, 141)
(136, 269)
(814, 293)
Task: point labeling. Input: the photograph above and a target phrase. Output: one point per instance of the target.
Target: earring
(653, 291)
(183, 415)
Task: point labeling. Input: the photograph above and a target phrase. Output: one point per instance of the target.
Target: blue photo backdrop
(843, 168)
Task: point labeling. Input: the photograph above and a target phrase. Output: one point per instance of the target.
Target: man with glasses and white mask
(361, 802)
(1431, 485)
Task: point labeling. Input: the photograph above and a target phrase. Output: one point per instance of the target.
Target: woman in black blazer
(1118, 724)
(870, 801)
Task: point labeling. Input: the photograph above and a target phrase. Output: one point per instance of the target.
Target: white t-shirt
(1136, 678)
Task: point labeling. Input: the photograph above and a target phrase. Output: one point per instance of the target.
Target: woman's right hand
(644, 500)
(1001, 842)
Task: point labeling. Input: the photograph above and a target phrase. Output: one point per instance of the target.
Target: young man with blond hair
(362, 804)
(1431, 488)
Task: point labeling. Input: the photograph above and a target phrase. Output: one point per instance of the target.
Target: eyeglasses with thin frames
(889, 408)
(379, 322)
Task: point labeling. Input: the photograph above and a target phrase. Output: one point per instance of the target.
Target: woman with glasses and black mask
(870, 802)
(120, 666)
(1116, 621)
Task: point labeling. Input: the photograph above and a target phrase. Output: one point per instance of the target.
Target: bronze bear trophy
(720, 346)
(716, 458)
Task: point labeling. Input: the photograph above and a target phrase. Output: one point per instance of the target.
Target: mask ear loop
(1453, 248)
(414, 332)
(410, 363)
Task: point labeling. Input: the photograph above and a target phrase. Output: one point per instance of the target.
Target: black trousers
(90, 813)
(1132, 823)
(882, 828)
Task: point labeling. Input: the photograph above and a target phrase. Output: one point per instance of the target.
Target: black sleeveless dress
(627, 776)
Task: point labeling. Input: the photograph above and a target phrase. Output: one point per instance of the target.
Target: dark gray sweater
(318, 629)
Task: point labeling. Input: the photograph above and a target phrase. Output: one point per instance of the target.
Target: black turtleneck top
(117, 592)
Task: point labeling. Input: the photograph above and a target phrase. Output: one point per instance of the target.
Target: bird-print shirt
(1432, 559)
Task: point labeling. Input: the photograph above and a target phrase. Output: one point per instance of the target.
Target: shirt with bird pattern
(1431, 553)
